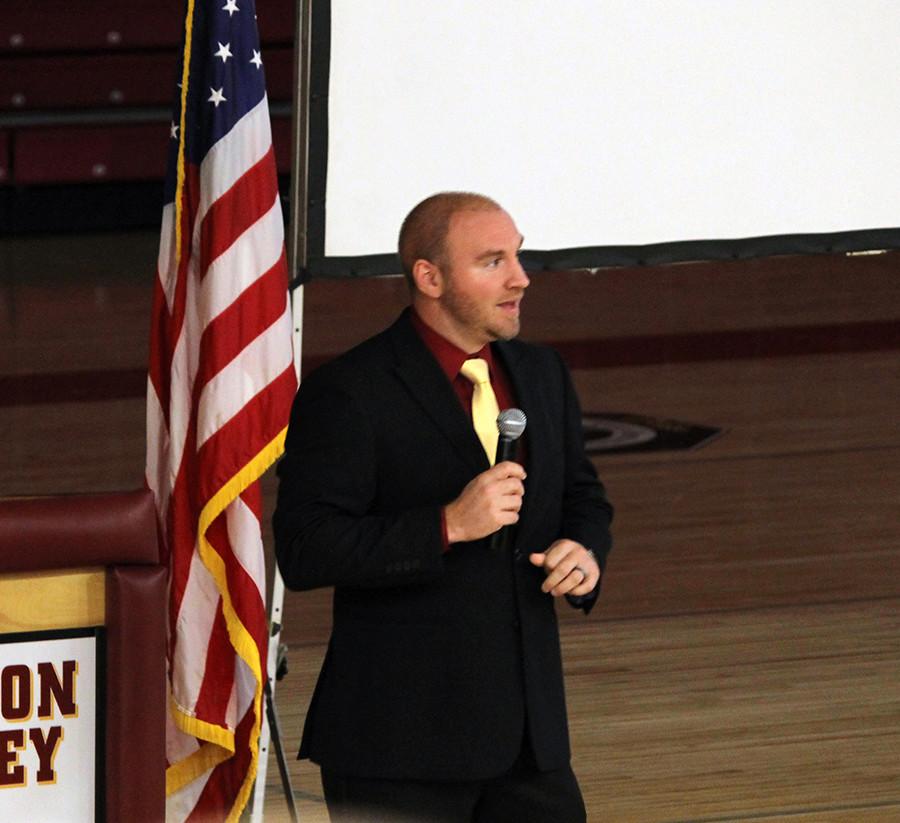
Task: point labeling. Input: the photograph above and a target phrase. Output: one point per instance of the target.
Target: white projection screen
(614, 131)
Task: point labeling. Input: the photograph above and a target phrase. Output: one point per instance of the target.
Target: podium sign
(82, 660)
(51, 749)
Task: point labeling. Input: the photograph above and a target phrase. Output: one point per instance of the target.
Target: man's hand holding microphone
(490, 504)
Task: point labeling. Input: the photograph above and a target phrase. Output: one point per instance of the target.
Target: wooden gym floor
(744, 662)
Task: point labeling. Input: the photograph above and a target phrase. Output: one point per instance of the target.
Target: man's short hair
(423, 235)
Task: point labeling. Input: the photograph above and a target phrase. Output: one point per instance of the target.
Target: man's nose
(518, 277)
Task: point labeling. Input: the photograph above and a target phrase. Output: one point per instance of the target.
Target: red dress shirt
(451, 358)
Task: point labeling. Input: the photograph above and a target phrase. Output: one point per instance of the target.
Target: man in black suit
(441, 694)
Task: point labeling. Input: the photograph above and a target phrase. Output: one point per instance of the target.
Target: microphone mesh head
(511, 423)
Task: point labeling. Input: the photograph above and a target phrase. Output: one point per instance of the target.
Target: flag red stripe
(258, 307)
(204, 472)
(239, 208)
(219, 458)
(168, 323)
(246, 599)
(218, 675)
(182, 530)
(190, 199)
(245, 596)
(224, 783)
(252, 497)
(159, 375)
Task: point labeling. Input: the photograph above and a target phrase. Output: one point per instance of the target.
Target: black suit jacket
(436, 660)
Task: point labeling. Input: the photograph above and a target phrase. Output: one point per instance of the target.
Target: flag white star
(224, 51)
(256, 59)
(216, 96)
(173, 131)
(231, 7)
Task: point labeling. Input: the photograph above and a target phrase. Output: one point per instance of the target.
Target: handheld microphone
(511, 425)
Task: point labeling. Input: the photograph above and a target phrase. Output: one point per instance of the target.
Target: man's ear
(428, 278)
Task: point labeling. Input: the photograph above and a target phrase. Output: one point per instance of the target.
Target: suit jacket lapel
(527, 386)
(423, 377)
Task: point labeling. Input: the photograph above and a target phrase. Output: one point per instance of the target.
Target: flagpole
(297, 253)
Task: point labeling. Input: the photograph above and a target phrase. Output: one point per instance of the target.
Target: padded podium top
(78, 530)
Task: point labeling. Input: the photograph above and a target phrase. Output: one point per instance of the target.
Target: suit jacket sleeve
(587, 514)
(326, 533)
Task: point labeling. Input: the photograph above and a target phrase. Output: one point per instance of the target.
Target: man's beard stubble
(469, 314)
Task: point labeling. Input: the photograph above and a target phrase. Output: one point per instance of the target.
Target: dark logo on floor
(612, 432)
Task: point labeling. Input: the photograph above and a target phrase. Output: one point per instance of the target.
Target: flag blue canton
(226, 79)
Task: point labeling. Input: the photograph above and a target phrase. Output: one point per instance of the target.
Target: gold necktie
(484, 405)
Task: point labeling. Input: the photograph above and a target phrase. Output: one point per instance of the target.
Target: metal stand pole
(275, 726)
(271, 730)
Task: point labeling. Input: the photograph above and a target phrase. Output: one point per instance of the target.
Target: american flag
(221, 380)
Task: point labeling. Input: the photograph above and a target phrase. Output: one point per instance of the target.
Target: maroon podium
(85, 565)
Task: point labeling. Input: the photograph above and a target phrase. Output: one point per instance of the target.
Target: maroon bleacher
(64, 26)
(79, 154)
(113, 61)
(72, 82)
